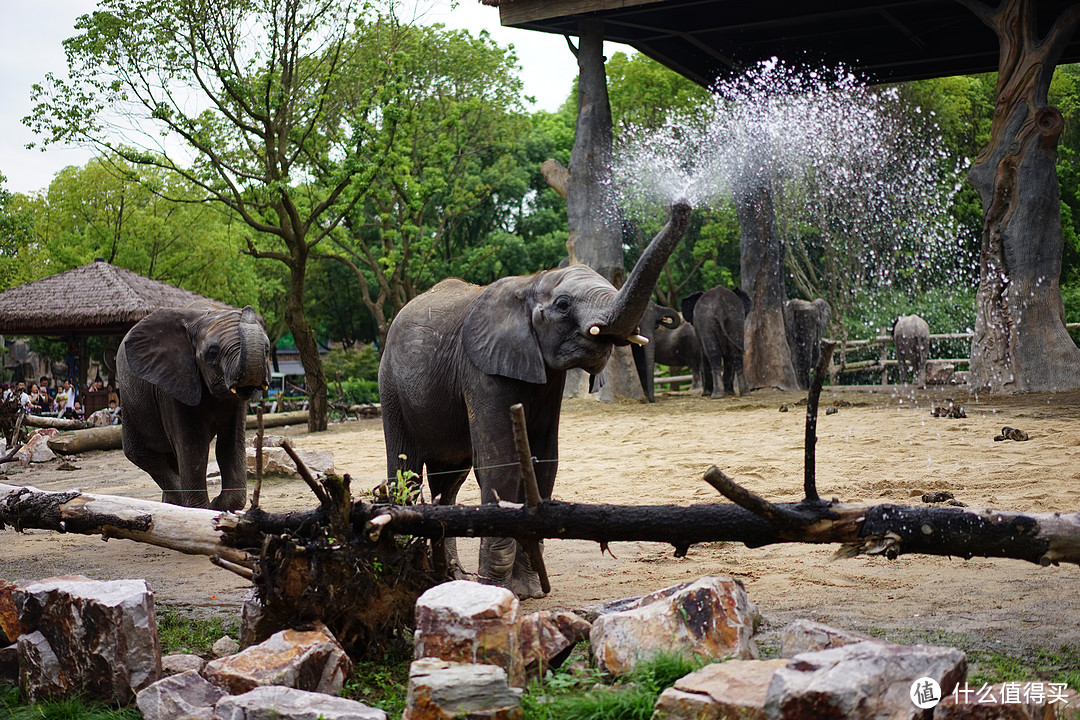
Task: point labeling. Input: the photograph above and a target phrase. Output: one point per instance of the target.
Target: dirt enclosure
(881, 446)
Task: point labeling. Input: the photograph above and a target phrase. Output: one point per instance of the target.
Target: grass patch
(583, 695)
(13, 708)
(380, 684)
(1062, 666)
(179, 633)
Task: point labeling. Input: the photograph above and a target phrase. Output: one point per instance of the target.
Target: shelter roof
(93, 299)
(881, 40)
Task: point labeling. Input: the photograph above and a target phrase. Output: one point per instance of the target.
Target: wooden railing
(882, 362)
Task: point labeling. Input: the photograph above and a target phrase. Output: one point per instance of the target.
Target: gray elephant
(806, 324)
(184, 376)
(458, 356)
(671, 342)
(718, 316)
(911, 336)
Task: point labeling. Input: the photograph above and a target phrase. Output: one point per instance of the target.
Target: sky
(32, 47)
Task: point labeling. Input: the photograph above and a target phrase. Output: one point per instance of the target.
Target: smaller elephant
(185, 375)
(657, 326)
(718, 316)
(911, 336)
(806, 324)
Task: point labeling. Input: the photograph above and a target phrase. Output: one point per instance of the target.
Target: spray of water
(856, 190)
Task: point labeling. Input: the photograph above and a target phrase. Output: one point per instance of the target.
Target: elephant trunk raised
(621, 317)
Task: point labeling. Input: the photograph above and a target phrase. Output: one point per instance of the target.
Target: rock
(10, 629)
(282, 703)
(809, 636)
(731, 689)
(1009, 701)
(96, 638)
(9, 664)
(938, 372)
(36, 449)
(224, 646)
(277, 462)
(176, 664)
(546, 638)
(463, 621)
(711, 618)
(308, 659)
(864, 680)
(101, 418)
(186, 695)
(443, 690)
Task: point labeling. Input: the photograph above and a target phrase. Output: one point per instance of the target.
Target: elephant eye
(563, 304)
(212, 353)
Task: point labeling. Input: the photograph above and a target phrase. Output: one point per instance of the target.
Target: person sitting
(114, 410)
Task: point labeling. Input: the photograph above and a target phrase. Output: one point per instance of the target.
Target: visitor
(46, 389)
(38, 403)
(114, 411)
(24, 397)
(77, 412)
(6, 393)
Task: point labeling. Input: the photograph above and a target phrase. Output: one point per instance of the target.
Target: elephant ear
(159, 351)
(688, 304)
(498, 334)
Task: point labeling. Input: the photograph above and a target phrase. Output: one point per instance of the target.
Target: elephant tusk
(638, 339)
(594, 330)
(233, 390)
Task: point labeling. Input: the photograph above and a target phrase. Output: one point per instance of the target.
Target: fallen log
(43, 421)
(109, 437)
(890, 530)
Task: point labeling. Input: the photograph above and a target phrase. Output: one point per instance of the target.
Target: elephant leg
(729, 376)
(232, 460)
(445, 480)
(706, 377)
(192, 466)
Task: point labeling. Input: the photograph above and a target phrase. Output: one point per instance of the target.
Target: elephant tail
(747, 303)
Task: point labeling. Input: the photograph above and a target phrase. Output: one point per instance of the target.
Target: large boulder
(284, 703)
(185, 695)
(94, 638)
(710, 618)
(866, 680)
(308, 659)
(731, 689)
(462, 621)
(809, 636)
(442, 690)
(546, 639)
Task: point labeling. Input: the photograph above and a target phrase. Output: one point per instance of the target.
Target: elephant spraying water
(458, 356)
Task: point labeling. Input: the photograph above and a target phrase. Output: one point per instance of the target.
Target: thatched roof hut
(94, 299)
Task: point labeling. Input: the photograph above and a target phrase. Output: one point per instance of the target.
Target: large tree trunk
(1020, 342)
(308, 347)
(766, 356)
(592, 213)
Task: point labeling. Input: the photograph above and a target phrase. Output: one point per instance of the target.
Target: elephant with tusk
(458, 356)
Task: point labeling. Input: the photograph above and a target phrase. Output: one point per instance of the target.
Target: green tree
(450, 174)
(241, 95)
(16, 231)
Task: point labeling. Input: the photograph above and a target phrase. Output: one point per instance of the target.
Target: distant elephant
(718, 316)
(186, 375)
(807, 323)
(655, 324)
(458, 356)
(911, 336)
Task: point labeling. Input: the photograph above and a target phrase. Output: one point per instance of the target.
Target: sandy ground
(881, 446)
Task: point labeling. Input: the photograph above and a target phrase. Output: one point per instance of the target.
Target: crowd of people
(65, 401)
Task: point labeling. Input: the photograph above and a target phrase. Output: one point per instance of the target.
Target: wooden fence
(882, 362)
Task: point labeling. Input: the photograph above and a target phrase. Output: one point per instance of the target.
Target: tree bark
(1020, 342)
(766, 357)
(592, 212)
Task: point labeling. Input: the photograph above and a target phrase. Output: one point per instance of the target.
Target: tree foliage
(239, 98)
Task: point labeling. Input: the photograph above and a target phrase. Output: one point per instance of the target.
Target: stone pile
(474, 652)
(98, 639)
